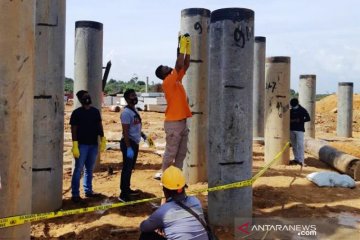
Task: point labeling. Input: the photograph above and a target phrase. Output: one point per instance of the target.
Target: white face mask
(296, 107)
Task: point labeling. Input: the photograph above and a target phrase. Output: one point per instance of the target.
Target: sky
(322, 37)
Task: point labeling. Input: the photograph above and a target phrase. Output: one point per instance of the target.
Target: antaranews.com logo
(301, 230)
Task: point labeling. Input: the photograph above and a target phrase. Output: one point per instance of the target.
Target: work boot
(293, 162)
(92, 195)
(124, 198)
(134, 192)
(77, 199)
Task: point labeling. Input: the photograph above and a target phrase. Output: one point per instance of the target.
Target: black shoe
(134, 192)
(92, 195)
(77, 199)
(293, 162)
(124, 198)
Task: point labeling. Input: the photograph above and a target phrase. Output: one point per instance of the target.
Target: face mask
(86, 100)
(296, 107)
(134, 101)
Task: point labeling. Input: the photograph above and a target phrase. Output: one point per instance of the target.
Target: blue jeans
(88, 155)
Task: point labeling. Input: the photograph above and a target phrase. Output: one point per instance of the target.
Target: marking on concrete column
(233, 86)
(280, 96)
(271, 85)
(230, 163)
(198, 27)
(193, 113)
(196, 61)
(239, 35)
(22, 64)
(49, 24)
(248, 33)
(41, 169)
(43, 97)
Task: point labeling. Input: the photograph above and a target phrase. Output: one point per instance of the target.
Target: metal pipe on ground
(341, 161)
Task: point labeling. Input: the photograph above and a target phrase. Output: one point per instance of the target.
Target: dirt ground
(282, 191)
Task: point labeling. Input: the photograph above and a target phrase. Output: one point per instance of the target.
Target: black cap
(346, 84)
(260, 39)
(278, 60)
(233, 14)
(308, 76)
(195, 11)
(89, 24)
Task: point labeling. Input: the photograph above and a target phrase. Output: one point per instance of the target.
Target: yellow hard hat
(172, 178)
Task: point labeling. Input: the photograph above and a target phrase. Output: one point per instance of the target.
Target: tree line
(114, 86)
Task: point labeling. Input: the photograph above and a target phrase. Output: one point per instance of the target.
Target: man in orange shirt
(178, 109)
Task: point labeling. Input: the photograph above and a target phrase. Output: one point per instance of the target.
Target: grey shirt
(129, 117)
(176, 222)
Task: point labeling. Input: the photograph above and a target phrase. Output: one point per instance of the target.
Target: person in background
(178, 109)
(298, 117)
(181, 217)
(129, 144)
(86, 127)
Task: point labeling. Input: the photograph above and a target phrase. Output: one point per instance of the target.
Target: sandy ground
(283, 190)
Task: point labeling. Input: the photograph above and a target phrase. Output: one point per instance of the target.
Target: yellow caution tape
(18, 220)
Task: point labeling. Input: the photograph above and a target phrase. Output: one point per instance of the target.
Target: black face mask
(133, 101)
(86, 100)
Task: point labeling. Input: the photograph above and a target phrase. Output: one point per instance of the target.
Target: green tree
(293, 94)
(69, 85)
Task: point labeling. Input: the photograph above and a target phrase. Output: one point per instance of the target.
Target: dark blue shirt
(298, 117)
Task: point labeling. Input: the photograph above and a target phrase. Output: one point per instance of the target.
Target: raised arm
(184, 51)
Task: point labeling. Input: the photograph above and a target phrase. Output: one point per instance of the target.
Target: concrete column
(17, 76)
(259, 87)
(345, 109)
(49, 106)
(231, 62)
(277, 113)
(88, 61)
(195, 21)
(307, 99)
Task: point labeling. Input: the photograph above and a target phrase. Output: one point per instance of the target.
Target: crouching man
(181, 217)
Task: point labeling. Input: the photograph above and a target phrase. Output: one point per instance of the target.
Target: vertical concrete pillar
(277, 113)
(49, 106)
(195, 21)
(307, 99)
(345, 109)
(88, 60)
(88, 63)
(231, 62)
(17, 74)
(259, 87)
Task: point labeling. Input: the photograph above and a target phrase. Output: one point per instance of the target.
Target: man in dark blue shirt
(86, 127)
(172, 218)
(298, 117)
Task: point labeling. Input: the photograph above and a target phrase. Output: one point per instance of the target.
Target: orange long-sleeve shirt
(177, 105)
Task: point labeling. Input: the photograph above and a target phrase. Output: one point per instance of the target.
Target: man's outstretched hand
(185, 44)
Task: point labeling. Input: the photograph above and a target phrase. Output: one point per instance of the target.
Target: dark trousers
(151, 236)
(128, 166)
